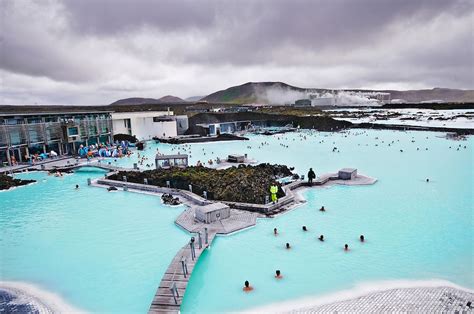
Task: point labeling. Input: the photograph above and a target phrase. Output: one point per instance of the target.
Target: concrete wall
(142, 124)
(182, 124)
(166, 128)
(119, 126)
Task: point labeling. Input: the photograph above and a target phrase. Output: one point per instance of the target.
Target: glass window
(72, 131)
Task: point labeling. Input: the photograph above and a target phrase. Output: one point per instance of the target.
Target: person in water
(321, 238)
(311, 176)
(77, 186)
(346, 247)
(247, 286)
(278, 274)
(304, 228)
(275, 231)
(322, 209)
(288, 246)
(362, 238)
(274, 191)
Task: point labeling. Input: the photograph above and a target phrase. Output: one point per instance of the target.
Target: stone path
(406, 300)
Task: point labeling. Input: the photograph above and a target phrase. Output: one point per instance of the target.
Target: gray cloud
(97, 51)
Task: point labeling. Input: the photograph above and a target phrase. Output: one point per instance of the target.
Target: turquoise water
(105, 251)
(101, 251)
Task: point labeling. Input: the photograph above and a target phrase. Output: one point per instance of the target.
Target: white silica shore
(37, 298)
(424, 296)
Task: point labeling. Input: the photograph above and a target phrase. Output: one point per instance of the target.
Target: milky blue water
(101, 251)
(106, 251)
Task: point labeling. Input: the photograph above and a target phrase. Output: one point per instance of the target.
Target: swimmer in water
(362, 238)
(321, 238)
(427, 180)
(247, 286)
(346, 247)
(275, 231)
(322, 209)
(77, 186)
(288, 246)
(304, 228)
(278, 274)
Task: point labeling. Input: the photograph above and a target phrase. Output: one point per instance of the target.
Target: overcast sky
(95, 52)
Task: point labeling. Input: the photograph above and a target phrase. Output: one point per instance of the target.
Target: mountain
(170, 98)
(252, 92)
(444, 94)
(281, 93)
(194, 98)
(148, 101)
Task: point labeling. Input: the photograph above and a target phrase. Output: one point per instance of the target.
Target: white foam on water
(42, 300)
(358, 291)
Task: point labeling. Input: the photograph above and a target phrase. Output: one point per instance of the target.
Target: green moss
(249, 184)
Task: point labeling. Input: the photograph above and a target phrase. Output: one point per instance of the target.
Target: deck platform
(238, 220)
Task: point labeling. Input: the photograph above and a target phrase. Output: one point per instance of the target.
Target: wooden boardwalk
(174, 278)
(100, 165)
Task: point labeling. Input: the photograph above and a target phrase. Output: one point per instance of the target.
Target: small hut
(168, 161)
(212, 212)
(347, 174)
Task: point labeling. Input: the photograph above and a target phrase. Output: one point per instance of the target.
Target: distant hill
(148, 101)
(170, 98)
(252, 92)
(281, 93)
(194, 98)
(444, 94)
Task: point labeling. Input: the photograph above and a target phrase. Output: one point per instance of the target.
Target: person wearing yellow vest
(274, 191)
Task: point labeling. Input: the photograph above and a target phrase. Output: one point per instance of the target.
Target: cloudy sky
(98, 51)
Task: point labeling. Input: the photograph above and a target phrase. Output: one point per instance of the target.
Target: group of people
(37, 157)
(103, 150)
(143, 158)
(278, 275)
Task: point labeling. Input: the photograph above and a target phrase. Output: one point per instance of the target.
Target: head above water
(346, 247)
(247, 284)
(278, 272)
(287, 245)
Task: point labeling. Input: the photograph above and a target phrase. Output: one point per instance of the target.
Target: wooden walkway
(100, 165)
(176, 279)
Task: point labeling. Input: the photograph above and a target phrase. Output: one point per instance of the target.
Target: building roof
(348, 170)
(211, 207)
(12, 114)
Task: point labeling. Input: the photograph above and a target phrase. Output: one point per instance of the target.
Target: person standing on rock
(311, 176)
(274, 191)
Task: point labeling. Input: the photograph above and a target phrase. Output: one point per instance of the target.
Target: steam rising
(285, 96)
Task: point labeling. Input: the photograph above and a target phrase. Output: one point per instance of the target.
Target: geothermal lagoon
(102, 251)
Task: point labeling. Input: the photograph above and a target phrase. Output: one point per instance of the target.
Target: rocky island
(247, 184)
(7, 182)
